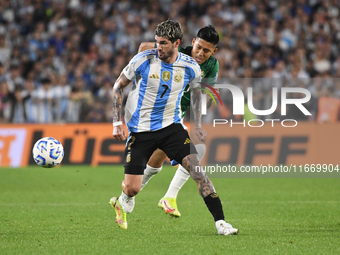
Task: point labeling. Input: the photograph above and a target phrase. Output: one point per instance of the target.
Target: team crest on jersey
(166, 76)
(178, 77)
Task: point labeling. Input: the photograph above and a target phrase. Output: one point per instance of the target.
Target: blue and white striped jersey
(42, 105)
(154, 100)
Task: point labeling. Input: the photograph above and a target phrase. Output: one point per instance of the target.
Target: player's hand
(212, 92)
(119, 133)
(201, 134)
(210, 100)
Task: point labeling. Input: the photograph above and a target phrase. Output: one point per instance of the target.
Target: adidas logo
(154, 76)
(187, 141)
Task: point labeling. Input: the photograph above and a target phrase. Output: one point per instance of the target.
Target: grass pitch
(65, 211)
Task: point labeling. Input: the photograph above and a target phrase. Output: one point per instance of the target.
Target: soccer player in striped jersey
(42, 98)
(202, 50)
(152, 115)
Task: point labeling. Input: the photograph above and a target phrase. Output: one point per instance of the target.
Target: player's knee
(186, 163)
(190, 162)
(131, 189)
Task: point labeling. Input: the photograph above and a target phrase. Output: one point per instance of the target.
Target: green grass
(65, 211)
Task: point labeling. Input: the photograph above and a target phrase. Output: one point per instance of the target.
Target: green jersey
(209, 71)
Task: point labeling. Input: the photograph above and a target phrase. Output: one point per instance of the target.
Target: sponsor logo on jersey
(154, 76)
(187, 141)
(166, 76)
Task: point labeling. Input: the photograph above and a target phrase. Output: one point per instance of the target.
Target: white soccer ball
(48, 152)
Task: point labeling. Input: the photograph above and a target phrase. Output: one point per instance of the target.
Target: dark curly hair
(170, 29)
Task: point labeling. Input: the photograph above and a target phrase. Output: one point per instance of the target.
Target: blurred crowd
(59, 59)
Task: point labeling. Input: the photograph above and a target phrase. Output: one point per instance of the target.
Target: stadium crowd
(59, 59)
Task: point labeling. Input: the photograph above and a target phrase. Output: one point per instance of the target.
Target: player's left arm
(196, 102)
(211, 78)
(119, 132)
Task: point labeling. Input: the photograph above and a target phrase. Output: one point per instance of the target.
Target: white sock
(128, 203)
(149, 172)
(181, 176)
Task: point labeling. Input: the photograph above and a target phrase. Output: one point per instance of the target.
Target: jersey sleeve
(196, 79)
(138, 63)
(129, 71)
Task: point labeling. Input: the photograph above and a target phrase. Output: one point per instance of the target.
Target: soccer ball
(48, 152)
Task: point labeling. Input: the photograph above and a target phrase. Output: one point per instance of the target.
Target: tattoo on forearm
(117, 96)
(117, 100)
(204, 184)
(196, 105)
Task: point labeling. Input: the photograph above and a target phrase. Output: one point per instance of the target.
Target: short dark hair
(170, 29)
(209, 34)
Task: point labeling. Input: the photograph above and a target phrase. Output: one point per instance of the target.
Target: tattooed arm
(196, 98)
(196, 108)
(119, 131)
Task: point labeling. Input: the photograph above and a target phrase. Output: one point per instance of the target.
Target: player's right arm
(135, 67)
(119, 132)
(146, 46)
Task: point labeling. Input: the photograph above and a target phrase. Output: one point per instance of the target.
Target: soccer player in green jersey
(202, 50)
